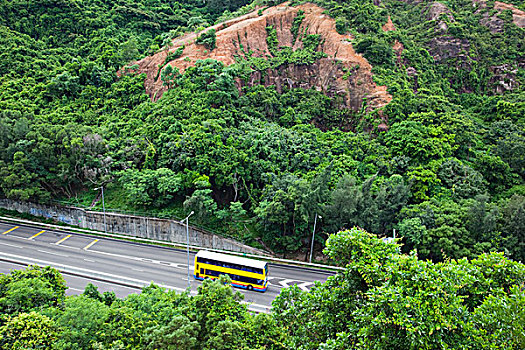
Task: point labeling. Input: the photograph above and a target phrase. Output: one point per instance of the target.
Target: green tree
(462, 180)
(420, 142)
(31, 289)
(18, 181)
(216, 302)
(81, 319)
(28, 331)
(202, 203)
(179, 333)
(513, 226)
(208, 39)
(168, 75)
(388, 300)
(373, 205)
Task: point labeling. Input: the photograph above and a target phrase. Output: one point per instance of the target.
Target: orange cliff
(343, 73)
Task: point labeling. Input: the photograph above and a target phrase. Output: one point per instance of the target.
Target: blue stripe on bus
(259, 289)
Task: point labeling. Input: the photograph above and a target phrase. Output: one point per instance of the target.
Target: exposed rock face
(494, 23)
(397, 47)
(435, 10)
(518, 16)
(504, 78)
(248, 32)
(445, 47)
(388, 26)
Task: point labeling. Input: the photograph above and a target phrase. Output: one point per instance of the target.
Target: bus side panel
(234, 283)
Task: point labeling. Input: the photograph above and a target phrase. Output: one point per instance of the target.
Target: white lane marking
(264, 308)
(139, 270)
(157, 262)
(78, 290)
(304, 286)
(121, 286)
(58, 254)
(12, 245)
(69, 247)
(99, 283)
(69, 268)
(89, 260)
(18, 237)
(286, 283)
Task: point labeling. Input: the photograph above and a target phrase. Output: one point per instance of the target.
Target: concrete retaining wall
(136, 226)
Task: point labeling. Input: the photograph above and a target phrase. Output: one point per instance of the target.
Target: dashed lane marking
(12, 229)
(36, 235)
(52, 253)
(90, 244)
(12, 245)
(62, 240)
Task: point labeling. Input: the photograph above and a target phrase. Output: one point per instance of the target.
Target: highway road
(76, 284)
(122, 266)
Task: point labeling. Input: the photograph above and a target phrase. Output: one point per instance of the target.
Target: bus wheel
(250, 288)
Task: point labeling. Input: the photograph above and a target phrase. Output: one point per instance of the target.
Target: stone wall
(136, 226)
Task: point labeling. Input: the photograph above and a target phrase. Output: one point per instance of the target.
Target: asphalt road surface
(112, 261)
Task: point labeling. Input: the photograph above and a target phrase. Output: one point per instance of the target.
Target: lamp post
(188, 245)
(103, 205)
(313, 236)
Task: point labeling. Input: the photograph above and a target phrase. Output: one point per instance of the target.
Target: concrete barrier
(276, 261)
(131, 225)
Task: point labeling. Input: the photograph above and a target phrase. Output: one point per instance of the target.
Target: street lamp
(103, 205)
(188, 245)
(313, 236)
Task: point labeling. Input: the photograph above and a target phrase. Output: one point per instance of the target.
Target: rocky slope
(249, 32)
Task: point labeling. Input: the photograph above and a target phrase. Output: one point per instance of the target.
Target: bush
(376, 51)
(208, 39)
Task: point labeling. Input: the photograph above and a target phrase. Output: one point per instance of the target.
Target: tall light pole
(313, 236)
(103, 205)
(188, 245)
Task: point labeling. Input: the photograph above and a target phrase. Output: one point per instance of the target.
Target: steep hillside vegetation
(403, 115)
(282, 46)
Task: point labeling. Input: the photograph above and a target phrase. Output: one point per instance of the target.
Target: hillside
(262, 116)
(273, 122)
(247, 36)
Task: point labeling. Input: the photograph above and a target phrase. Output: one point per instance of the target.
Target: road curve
(122, 266)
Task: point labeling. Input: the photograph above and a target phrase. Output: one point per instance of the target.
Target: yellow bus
(245, 273)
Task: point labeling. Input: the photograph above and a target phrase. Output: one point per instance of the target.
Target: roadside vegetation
(382, 300)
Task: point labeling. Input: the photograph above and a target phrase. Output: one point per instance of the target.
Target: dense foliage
(386, 300)
(382, 300)
(448, 174)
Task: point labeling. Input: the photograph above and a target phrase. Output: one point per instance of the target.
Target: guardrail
(286, 262)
